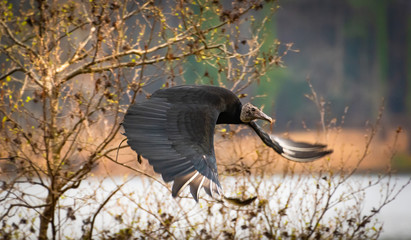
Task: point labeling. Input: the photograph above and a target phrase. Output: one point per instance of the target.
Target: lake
(140, 203)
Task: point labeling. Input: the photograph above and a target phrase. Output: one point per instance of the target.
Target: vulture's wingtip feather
(300, 151)
(196, 181)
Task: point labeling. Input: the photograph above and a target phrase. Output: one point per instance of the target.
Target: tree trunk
(47, 217)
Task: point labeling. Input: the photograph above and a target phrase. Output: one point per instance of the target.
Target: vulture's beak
(263, 116)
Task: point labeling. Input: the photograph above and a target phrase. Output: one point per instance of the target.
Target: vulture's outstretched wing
(177, 139)
(294, 151)
(300, 151)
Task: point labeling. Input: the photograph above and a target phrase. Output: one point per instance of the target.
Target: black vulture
(174, 130)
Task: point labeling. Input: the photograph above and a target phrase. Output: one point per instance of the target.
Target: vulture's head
(250, 112)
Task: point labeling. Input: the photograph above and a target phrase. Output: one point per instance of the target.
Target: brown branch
(18, 42)
(90, 233)
(10, 72)
(21, 66)
(135, 64)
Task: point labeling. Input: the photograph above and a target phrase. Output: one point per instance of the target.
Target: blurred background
(355, 53)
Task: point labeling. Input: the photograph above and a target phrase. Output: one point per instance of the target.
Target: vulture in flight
(174, 130)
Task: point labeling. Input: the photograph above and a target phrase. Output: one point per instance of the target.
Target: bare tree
(70, 69)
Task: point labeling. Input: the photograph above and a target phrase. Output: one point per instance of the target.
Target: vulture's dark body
(174, 130)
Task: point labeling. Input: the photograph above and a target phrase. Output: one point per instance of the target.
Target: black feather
(174, 130)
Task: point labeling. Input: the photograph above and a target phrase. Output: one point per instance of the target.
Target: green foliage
(371, 25)
(408, 99)
(402, 163)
